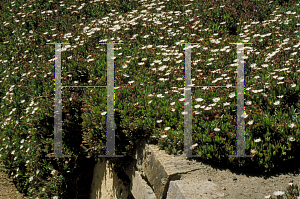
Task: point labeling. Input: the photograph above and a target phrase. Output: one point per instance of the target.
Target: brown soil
(8, 189)
(231, 184)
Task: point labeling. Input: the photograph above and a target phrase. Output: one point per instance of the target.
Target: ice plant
(150, 87)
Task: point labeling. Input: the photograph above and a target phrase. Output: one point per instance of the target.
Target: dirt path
(236, 185)
(8, 190)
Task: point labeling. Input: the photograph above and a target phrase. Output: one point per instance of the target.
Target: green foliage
(84, 124)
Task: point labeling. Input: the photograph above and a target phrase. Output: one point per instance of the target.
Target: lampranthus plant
(149, 83)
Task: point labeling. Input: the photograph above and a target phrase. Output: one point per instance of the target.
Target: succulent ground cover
(149, 84)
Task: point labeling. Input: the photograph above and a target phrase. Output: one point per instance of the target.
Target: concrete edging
(163, 173)
(156, 175)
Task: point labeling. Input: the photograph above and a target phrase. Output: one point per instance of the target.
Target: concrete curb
(153, 174)
(163, 174)
(138, 186)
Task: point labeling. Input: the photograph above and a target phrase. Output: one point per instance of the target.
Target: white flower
(13, 152)
(89, 60)
(55, 197)
(53, 172)
(252, 65)
(150, 101)
(199, 99)
(292, 125)
(231, 95)
(216, 129)
(167, 128)
(172, 103)
(257, 140)
(216, 99)
(293, 85)
(280, 78)
(37, 172)
(31, 178)
(22, 141)
(244, 115)
(292, 139)
(197, 106)
(194, 145)
(253, 151)
(257, 91)
(248, 103)
(277, 102)
(250, 122)
(207, 108)
(163, 136)
(159, 121)
(226, 104)
(103, 113)
(278, 193)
